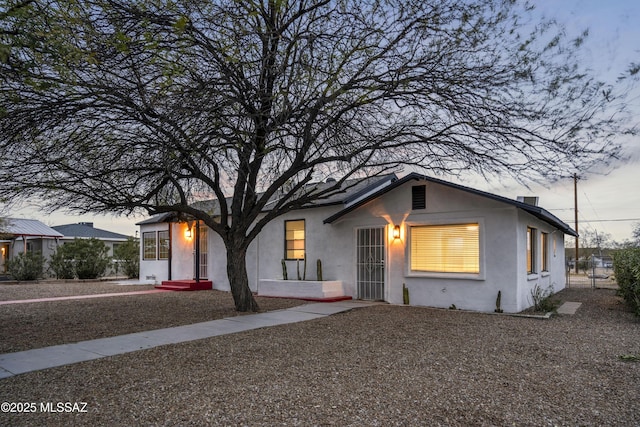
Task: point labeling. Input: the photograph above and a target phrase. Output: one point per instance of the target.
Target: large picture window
(149, 245)
(294, 239)
(450, 248)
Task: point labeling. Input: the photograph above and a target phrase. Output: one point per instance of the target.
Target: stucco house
(415, 239)
(86, 230)
(29, 235)
(21, 235)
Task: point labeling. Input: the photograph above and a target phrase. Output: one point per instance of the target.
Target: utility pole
(575, 201)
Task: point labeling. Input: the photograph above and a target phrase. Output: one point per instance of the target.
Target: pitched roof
(87, 230)
(350, 191)
(28, 227)
(536, 211)
(158, 218)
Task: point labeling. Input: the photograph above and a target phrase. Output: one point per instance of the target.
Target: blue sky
(608, 203)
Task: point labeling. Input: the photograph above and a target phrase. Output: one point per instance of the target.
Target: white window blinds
(451, 248)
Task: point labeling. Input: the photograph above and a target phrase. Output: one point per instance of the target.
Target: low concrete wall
(300, 288)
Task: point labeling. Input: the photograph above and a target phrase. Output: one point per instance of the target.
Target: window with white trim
(149, 245)
(447, 248)
(294, 237)
(531, 250)
(544, 249)
(163, 244)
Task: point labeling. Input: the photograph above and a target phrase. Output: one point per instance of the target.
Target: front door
(200, 255)
(4, 257)
(371, 250)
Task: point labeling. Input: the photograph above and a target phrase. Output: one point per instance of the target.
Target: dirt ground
(384, 365)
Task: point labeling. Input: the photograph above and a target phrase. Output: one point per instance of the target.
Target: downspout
(197, 251)
(170, 250)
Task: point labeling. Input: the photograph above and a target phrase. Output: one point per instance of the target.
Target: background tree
(128, 256)
(635, 236)
(119, 106)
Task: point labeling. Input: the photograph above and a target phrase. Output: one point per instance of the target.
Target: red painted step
(186, 285)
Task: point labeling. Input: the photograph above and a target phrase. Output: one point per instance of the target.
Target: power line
(604, 220)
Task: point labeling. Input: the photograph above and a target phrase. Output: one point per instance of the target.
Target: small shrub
(542, 299)
(27, 266)
(128, 254)
(626, 267)
(90, 256)
(81, 258)
(61, 263)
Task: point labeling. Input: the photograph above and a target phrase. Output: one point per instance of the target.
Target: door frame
(379, 295)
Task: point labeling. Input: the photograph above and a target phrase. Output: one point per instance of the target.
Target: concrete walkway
(569, 308)
(59, 355)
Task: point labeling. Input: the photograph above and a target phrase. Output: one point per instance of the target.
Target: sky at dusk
(609, 201)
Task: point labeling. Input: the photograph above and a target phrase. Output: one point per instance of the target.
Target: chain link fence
(595, 272)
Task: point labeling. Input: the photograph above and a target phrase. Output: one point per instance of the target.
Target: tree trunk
(238, 279)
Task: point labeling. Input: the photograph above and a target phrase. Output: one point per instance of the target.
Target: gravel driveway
(383, 365)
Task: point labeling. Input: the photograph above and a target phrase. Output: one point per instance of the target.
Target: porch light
(187, 233)
(396, 232)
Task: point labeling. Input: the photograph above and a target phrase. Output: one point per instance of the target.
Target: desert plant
(91, 260)
(319, 270)
(304, 268)
(61, 263)
(498, 302)
(405, 295)
(284, 270)
(542, 299)
(27, 266)
(128, 254)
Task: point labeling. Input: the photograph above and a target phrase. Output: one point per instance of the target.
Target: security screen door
(370, 246)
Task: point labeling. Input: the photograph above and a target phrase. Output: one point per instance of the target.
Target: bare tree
(118, 106)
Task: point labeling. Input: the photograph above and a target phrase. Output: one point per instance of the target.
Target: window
(544, 246)
(419, 197)
(531, 250)
(452, 248)
(149, 245)
(163, 244)
(294, 239)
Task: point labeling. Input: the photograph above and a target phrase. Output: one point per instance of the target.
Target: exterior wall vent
(419, 197)
(529, 200)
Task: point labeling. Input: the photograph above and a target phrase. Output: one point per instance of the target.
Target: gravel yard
(40, 324)
(382, 365)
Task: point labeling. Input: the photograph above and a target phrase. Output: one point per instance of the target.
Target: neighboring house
(28, 235)
(25, 235)
(447, 244)
(86, 230)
